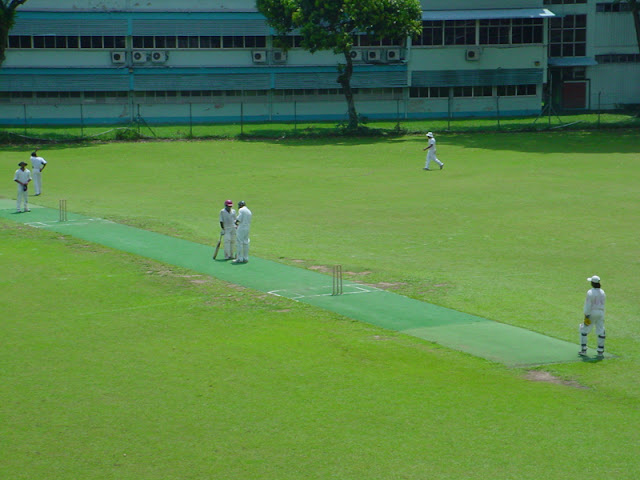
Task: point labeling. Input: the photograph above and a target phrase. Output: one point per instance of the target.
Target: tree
(335, 24)
(7, 19)
(634, 6)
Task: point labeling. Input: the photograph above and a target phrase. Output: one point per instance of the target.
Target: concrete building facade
(98, 61)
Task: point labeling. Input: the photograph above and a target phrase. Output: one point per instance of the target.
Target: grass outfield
(123, 368)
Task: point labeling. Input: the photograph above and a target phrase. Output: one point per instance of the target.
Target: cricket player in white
(228, 225)
(593, 315)
(431, 152)
(244, 224)
(37, 166)
(22, 178)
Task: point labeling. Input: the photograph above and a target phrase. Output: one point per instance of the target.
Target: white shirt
(595, 301)
(228, 219)
(23, 176)
(38, 163)
(244, 218)
(432, 142)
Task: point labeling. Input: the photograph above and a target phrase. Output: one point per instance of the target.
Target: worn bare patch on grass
(541, 376)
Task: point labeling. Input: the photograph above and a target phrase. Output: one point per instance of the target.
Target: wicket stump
(62, 210)
(337, 280)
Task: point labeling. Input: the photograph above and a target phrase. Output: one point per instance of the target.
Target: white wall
(624, 90)
(454, 57)
(478, 4)
(141, 5)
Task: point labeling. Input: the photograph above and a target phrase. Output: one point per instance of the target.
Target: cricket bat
(215, 254)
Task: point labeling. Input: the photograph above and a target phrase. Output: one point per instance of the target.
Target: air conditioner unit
(158, 56)
(393, 55)
(119, 58)
(279, 56)
(259, 56)
(356, 55)
(374, 56)
(139, 56)
(473, 54)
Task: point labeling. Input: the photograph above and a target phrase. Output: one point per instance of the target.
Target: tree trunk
(344, 79)
(635, 11)
(5, 26)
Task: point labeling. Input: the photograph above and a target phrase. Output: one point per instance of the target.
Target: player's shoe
(582, 353)
(441, 166)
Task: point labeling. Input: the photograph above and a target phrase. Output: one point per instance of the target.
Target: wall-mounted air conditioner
(139, 56)
(118, 58)
(259, 56)
(374, 56)
(356, 55)
(279, 56)
(393, 55)
(158, 56)
(473, 54)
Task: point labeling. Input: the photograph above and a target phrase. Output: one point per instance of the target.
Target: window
(460, 32)
(432, 33)
(610, 7)
(568, 36)
(618, 58)
(429, 92)
(19, 41)
(526, 30)
(516, 90)
(494, 32)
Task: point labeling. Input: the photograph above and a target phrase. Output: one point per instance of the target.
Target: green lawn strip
(121, 367)
(507, 344)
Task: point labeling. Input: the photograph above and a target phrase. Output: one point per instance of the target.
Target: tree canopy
(7, 19)
(335, 24)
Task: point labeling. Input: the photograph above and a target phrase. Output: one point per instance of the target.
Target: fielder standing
(22, 177)
(431, 152)
(37, 166)
(228, 226)
(593, 315)
(244, 224)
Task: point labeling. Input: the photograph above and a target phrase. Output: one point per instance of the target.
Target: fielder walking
(228, 225)
(37, 166)
(593, 315)
(22, 177)
(244, 225)
(431, 152)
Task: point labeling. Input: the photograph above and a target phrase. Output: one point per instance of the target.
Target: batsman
(228, 226)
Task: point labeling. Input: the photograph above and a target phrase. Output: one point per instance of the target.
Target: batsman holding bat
(228, 226)
(593, 315)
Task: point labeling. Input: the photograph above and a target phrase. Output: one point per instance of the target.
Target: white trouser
(242, 241)
(37, 181)
(597, 320)
(22, 196)
(229, 242)
(431, 155)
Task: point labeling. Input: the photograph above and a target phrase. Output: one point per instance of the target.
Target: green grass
(119, 367)
(20, 134)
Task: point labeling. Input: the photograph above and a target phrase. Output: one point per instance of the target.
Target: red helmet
(228, 203)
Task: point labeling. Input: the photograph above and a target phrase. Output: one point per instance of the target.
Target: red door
(574, 94)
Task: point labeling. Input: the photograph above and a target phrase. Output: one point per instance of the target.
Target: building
(99, 61)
